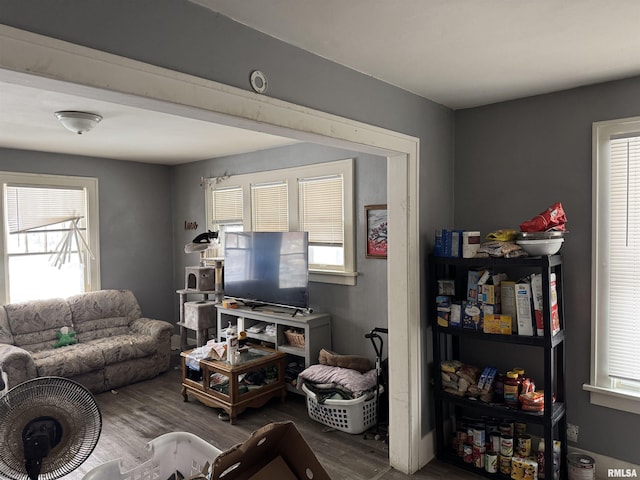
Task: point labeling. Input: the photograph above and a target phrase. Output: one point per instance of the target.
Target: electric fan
(48, 427)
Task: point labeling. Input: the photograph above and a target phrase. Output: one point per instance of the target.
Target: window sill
(624, 400)
(338, 278)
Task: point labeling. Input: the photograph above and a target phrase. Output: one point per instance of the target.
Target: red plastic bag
(553, 218)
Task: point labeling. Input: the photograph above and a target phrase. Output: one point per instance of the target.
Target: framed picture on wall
(376, 230)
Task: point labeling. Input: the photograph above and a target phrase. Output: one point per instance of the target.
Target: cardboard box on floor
(276, 450)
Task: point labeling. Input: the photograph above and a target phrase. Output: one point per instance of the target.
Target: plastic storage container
(181, 451)
(351, 416)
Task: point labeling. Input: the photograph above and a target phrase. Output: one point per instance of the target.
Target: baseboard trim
(427, 449)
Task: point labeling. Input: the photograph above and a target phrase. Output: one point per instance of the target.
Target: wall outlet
(572, 432)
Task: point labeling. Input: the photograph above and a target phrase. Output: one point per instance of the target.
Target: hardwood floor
(135, 414)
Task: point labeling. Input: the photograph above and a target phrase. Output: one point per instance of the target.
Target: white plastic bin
(351, 416)
(173, 451)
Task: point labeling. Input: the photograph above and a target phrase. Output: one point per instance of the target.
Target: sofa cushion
(105, 313)
(5, 329)
(34, 324)
(69, 361)
(125, 347)
(130, 371)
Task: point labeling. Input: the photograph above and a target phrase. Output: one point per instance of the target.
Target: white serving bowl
(541, 247)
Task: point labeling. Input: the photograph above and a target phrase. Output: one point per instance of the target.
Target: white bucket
(581, 467)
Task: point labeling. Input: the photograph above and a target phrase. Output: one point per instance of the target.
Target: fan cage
(70, 403)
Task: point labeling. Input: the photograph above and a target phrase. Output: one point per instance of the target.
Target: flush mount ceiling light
(78, 122)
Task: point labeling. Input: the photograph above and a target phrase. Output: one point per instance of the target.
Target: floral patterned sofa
(116, 345)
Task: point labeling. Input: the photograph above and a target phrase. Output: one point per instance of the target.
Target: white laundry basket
(181, 451)
(351, 416)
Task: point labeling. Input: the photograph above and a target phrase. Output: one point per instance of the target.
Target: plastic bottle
(520, 372)
(522, 380)
(511, 389)
(232, 344)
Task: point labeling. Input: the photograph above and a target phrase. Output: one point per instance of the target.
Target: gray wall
(135, 225)
(187, 38)
(355, 310)
(513, 160)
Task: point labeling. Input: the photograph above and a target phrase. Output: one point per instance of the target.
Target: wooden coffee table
(256, 377)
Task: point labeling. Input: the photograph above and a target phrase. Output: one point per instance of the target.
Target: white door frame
(39, 61)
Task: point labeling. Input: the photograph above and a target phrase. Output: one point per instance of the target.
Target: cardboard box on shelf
(446, 287)
(488, 309)
(455, 317)
(276, 450)
(500, 324)
(456, 244)
(508, 301)
(448, 243)
(471, 316)
(490, 291)
(489, 294)
(443, 303)
(555, 315)
(537, 294)
(524, 309)
(438, 248)
(475, 278)
(538, 304)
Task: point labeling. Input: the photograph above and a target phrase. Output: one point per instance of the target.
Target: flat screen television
(267, 268)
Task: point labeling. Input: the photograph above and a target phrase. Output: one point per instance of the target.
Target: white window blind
(49, 225)
(624, 259)
(322, 209)
(270, 207)
(34, 207)
(227, 205)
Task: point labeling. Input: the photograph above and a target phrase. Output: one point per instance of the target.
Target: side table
(256, 377)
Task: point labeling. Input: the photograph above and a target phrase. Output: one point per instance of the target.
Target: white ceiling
(125, 133)
(460, 53)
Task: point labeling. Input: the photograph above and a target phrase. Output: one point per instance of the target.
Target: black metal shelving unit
(446, 344)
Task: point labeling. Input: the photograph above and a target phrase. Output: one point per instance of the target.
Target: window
(50, 236)
(615, 362)
(270, 207)
(314, 198)
(322, 215)
(226, 207)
